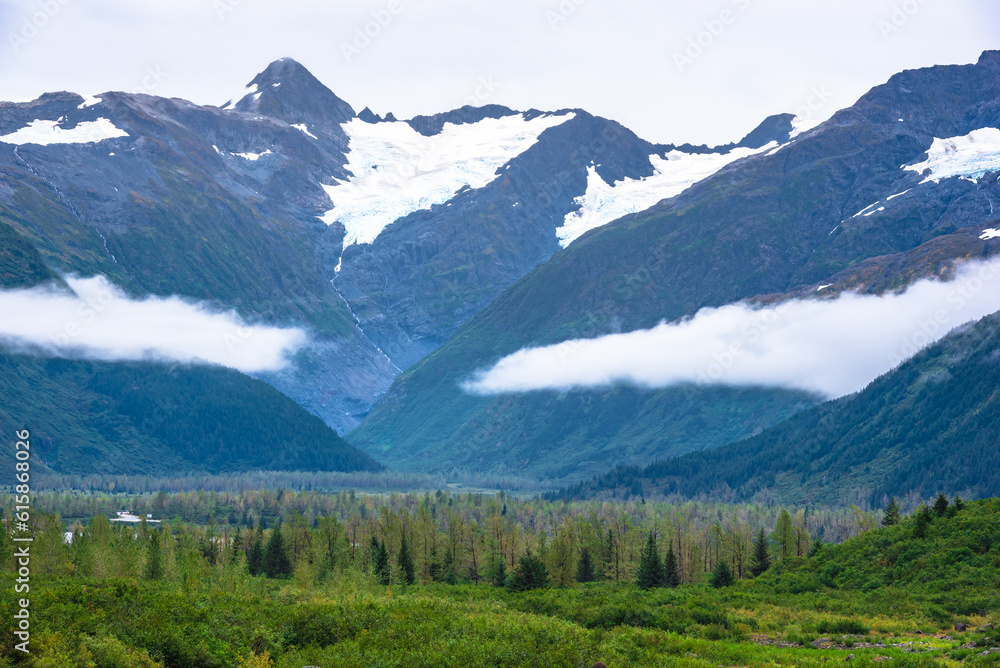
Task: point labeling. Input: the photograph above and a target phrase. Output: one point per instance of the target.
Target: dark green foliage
(529, 574)
(722, 575)
(277, 564)
(405, 561)
(941, 505)
(922, 520)
(380, 562)
(21, 265)
(816, 548)
(671, 569)
(650, 572)
(585, 567)
(499, 576)
(760, 558)
(891, 516)
(154, 557)
(156, 419)
(255, 556)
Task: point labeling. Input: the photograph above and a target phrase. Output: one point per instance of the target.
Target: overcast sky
(637, 61)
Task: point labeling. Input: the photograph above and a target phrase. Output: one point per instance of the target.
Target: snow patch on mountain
(253, 157)
(49, 132)
(89, 101)
(233, 101)
(971, 156)
(304, 129)
(603, 202)
(990, 233)
(397, 170)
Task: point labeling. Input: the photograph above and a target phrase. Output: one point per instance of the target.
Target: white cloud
(832, 347)
(100, 322)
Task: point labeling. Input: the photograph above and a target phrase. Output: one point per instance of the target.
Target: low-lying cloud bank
(833, 346)
(100, 322)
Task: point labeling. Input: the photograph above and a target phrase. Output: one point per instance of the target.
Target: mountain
(932, 425)
(380, 237)
(898, 186)
(151, 418)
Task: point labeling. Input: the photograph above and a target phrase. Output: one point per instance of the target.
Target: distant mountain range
(417, 252)
(835, 207)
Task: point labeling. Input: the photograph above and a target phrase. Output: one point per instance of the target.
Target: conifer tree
(761, 560)
(891, 516)
(722, 575)
(585, 567)
(255, 557)
(650, 567)
(923, 519)
(380, 562)
(154, 557)
(405, 561)
(671, 569)
(816, 548)
(529, 574)
(499, 578)
(784, 535)
(941, 505)
(276, 561)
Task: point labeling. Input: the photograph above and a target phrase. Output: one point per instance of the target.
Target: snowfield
(603, 202)
(45, 133)
(970, 156)
(397, 171)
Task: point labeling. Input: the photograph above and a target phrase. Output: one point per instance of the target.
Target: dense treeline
(155, 419)
(932, 424)
(461, 538)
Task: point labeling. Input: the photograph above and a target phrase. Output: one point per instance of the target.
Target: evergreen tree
(722, 575)
(276, 561)
(585, 567)
(816, 548)
(499, 578)
(958, 504)
(154, 557)
(405, 561)
(255, 557)
(529, 574)
(891, 516)
(941, 505)
(380, 562)
(671, 569)
(761, 559)
(784, 535)
(923, 519)
(650, 567)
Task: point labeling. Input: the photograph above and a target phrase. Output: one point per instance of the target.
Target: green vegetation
(883, 594)
(931, 424)
(107, 418)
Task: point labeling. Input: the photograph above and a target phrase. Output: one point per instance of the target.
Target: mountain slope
(152, 419)
(931, 425)
(775, 223)
(256, 206)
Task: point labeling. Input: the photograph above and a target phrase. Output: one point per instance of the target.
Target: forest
(261, 578)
